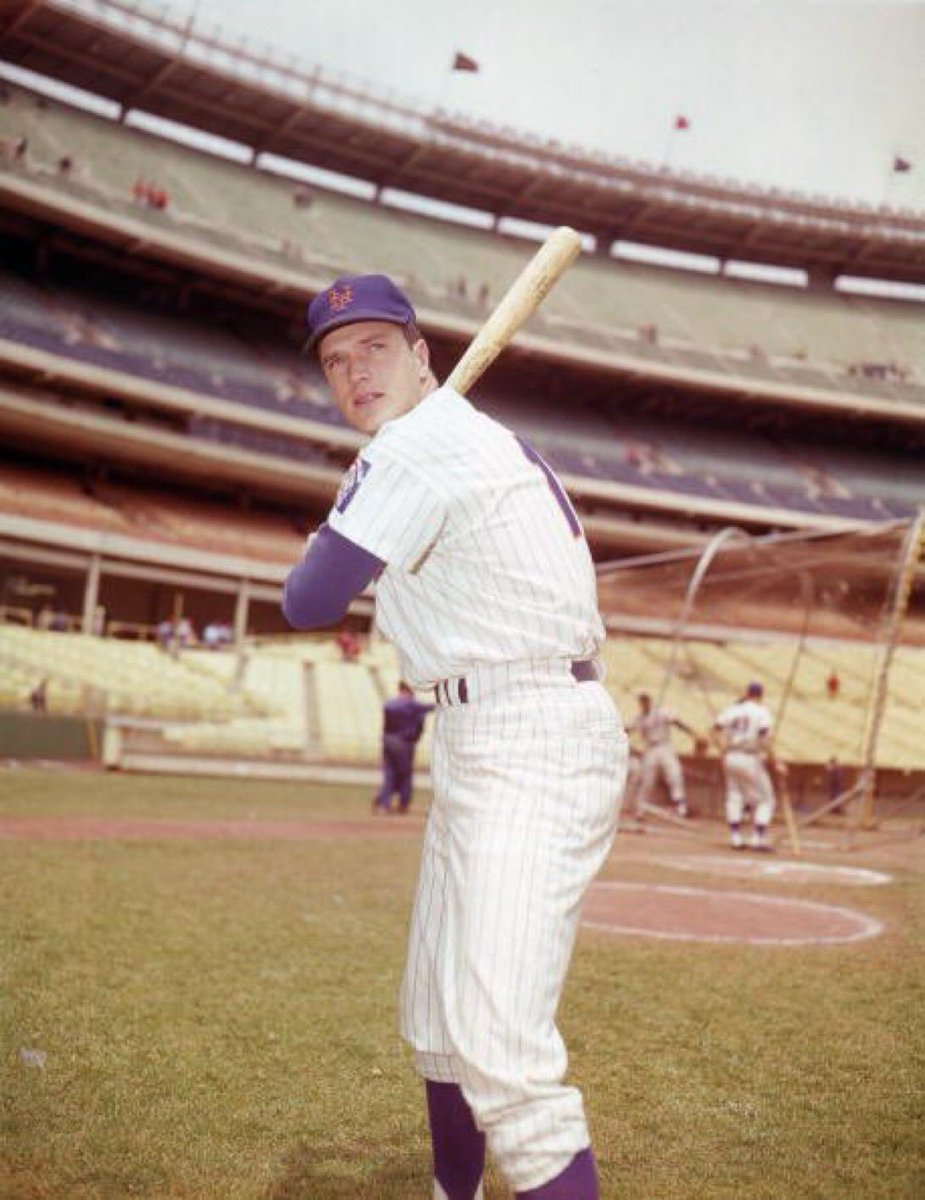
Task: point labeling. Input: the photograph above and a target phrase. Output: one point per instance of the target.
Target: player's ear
(421, 352)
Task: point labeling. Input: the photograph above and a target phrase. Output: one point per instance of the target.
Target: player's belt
(467, 688)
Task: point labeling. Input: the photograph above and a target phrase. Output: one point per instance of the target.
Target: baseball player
(659, 758)
(402, 726)
(485, 585)
(743, 732)
(632, 806)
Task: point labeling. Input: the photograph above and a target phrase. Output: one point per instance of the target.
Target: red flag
(901, 165)
(462, 62)
(681, 122)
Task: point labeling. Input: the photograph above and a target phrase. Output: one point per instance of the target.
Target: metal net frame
(833, 624)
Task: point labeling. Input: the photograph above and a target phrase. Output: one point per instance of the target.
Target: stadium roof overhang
(322, 120)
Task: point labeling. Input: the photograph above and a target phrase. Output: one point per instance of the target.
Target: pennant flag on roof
(900, 165)
(462, 62)
(681, 122)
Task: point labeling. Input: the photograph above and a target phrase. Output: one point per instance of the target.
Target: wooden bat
(783, 789)
(518, 303)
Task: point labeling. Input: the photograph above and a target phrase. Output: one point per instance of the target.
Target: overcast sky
(814, 95)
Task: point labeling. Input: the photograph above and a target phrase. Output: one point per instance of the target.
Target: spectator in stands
(648, 459)
(349, 645)
(38, 697)
(185, 633)
(149, 194)
(44, 617)
(402, 726)
(98, 623)
(216, 635)
(165, 635)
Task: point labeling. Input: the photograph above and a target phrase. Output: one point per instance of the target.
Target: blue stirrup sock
(458, 1145)
(577, 1182)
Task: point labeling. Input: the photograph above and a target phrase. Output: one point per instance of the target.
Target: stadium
(747, 458)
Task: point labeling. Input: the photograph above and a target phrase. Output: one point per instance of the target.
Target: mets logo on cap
(340, 298)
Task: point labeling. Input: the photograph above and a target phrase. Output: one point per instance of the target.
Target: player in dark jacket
(403, 724)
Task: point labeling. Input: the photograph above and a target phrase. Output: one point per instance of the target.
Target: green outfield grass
(218, 1022)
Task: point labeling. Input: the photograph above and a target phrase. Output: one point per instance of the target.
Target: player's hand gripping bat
(519, 302)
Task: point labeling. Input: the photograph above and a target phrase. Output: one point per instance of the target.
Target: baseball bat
(783, 789)
(518, 303)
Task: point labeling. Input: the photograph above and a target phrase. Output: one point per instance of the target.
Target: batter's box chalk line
(788, 870)
(701, 915)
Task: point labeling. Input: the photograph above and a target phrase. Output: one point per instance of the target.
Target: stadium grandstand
(167, 447)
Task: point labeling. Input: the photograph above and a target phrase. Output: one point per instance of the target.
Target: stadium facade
(162, 432)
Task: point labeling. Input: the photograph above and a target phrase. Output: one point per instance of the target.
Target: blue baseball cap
(353, 298)
(754, 689)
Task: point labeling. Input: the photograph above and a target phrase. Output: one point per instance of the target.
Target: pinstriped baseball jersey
(747, 724)
(486, 561)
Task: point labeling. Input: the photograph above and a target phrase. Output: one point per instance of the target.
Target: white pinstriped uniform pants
(661, 759)
(747, 782)
(527, 785)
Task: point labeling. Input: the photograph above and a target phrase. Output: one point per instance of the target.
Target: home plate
(742, 866)
(700, 915)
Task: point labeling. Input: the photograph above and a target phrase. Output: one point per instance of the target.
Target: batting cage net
(832, 626)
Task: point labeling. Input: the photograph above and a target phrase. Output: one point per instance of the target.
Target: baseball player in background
(659, 757)
(632, 806)
(402, 725)
(486, 587)
(743, 732)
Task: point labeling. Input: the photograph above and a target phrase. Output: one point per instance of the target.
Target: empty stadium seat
(721, 320)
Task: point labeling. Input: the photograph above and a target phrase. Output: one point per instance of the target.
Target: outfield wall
(28, 735)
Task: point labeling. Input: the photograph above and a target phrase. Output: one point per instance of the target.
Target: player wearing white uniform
(659, 758)
(487, 589)
(743, 730)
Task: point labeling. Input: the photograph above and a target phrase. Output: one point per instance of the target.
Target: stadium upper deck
(143, 58)
(267, 234)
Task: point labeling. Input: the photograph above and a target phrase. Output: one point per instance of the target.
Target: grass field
(217, 1019)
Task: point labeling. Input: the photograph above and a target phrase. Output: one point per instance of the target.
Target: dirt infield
(643, 909)
(785, 870)
(98, 829)
(701, 915)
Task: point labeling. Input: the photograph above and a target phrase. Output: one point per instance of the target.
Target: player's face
(373, 374)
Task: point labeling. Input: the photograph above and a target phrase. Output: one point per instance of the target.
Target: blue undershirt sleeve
(318, 590)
